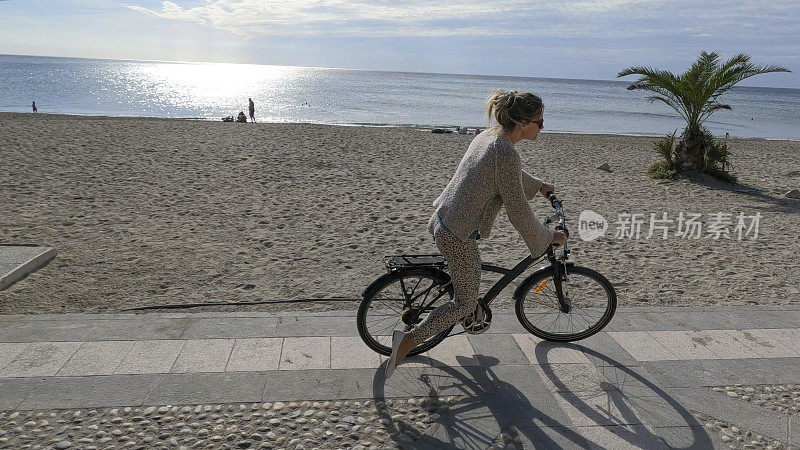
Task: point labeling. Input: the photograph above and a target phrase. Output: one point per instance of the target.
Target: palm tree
(695, 94)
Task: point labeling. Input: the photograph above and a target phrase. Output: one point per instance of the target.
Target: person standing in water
(252, 107)
(489, 177)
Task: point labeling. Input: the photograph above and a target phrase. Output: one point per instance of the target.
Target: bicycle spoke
(402, 287)
(396, 305)
(428, 291)
(415, 295)
(414, 299)
(428, 307)
(415, 286)
(588, 301)
(379, 318)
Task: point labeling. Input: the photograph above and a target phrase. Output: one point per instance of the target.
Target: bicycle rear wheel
(399, 301)
(591, 296)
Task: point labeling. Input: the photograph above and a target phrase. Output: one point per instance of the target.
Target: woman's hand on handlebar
(546, 189)
(559, 238)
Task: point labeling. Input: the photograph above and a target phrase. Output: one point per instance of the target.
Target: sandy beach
(155, 212)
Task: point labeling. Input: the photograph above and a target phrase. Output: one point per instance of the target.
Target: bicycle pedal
(479, 321)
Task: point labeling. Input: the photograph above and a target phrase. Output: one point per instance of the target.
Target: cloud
(272, 14)
(381, 18)
(598, 6)
(465, 18)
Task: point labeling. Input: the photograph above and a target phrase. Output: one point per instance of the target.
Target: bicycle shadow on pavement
(619, 397)
(471, 404)
(474, 406)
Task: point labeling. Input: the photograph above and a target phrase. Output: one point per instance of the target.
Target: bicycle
(568, 302)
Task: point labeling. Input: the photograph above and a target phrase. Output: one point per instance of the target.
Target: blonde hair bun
(509, 108)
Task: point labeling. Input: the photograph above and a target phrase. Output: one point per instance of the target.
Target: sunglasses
(539, 122)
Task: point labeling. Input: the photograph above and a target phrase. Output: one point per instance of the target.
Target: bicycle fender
(444, 276)
(372, 285)
(528, 281)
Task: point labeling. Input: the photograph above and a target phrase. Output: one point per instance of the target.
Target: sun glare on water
(212, 86)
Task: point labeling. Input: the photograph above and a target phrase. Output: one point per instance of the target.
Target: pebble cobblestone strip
(738, 438)
(783, 398)
(297, 425)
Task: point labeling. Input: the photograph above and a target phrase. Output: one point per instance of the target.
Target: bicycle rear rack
(395, 262)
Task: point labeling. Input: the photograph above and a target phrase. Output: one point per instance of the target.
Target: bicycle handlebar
(556, 203)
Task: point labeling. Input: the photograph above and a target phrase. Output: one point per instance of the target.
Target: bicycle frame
(509, 275)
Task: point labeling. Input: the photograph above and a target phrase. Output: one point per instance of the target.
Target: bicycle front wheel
(591, 297)
(399, 301)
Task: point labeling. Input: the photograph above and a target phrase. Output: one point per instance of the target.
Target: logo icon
(591, 225)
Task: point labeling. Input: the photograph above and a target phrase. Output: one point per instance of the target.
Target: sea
(210, 91)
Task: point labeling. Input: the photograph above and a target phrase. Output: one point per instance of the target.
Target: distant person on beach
(252, 107)
(34, 107)
(489, 176)
(241, 117)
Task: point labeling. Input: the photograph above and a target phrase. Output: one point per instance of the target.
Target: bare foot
(406, 345)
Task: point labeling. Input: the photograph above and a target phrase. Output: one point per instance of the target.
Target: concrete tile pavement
(255, 354)
(351, 353)
(86, 392)
(765, 344)
(151, 356)
(642, 346)
(624, 387)
(39, 359)
(14, 391)
(303, 353)
(229, 327)
(96, 358)
(681, 344)
(203, 355)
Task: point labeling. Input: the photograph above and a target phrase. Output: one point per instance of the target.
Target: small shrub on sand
(661, 169)
(714, 160)
(666, 167)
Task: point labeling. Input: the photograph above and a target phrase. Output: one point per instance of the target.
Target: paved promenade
(647, 381)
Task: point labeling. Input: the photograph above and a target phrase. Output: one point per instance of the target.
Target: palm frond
(737, 60)
(710, 108)
(676, 106)
(702, 69)
(637, 70)
(665, 84)
(735, 70)
(715, 107)
(660, 78)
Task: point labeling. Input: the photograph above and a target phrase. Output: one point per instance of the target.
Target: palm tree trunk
(690, 150)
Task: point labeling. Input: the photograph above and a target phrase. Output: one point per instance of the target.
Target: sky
(590, 39)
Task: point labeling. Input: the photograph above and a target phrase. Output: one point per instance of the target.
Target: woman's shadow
(476, 408)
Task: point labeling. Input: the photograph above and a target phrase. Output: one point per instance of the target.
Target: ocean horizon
(283, 94)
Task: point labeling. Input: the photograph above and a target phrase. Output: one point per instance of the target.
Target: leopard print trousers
(464, 262)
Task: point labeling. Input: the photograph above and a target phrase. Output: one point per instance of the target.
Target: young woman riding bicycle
(489, 176)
